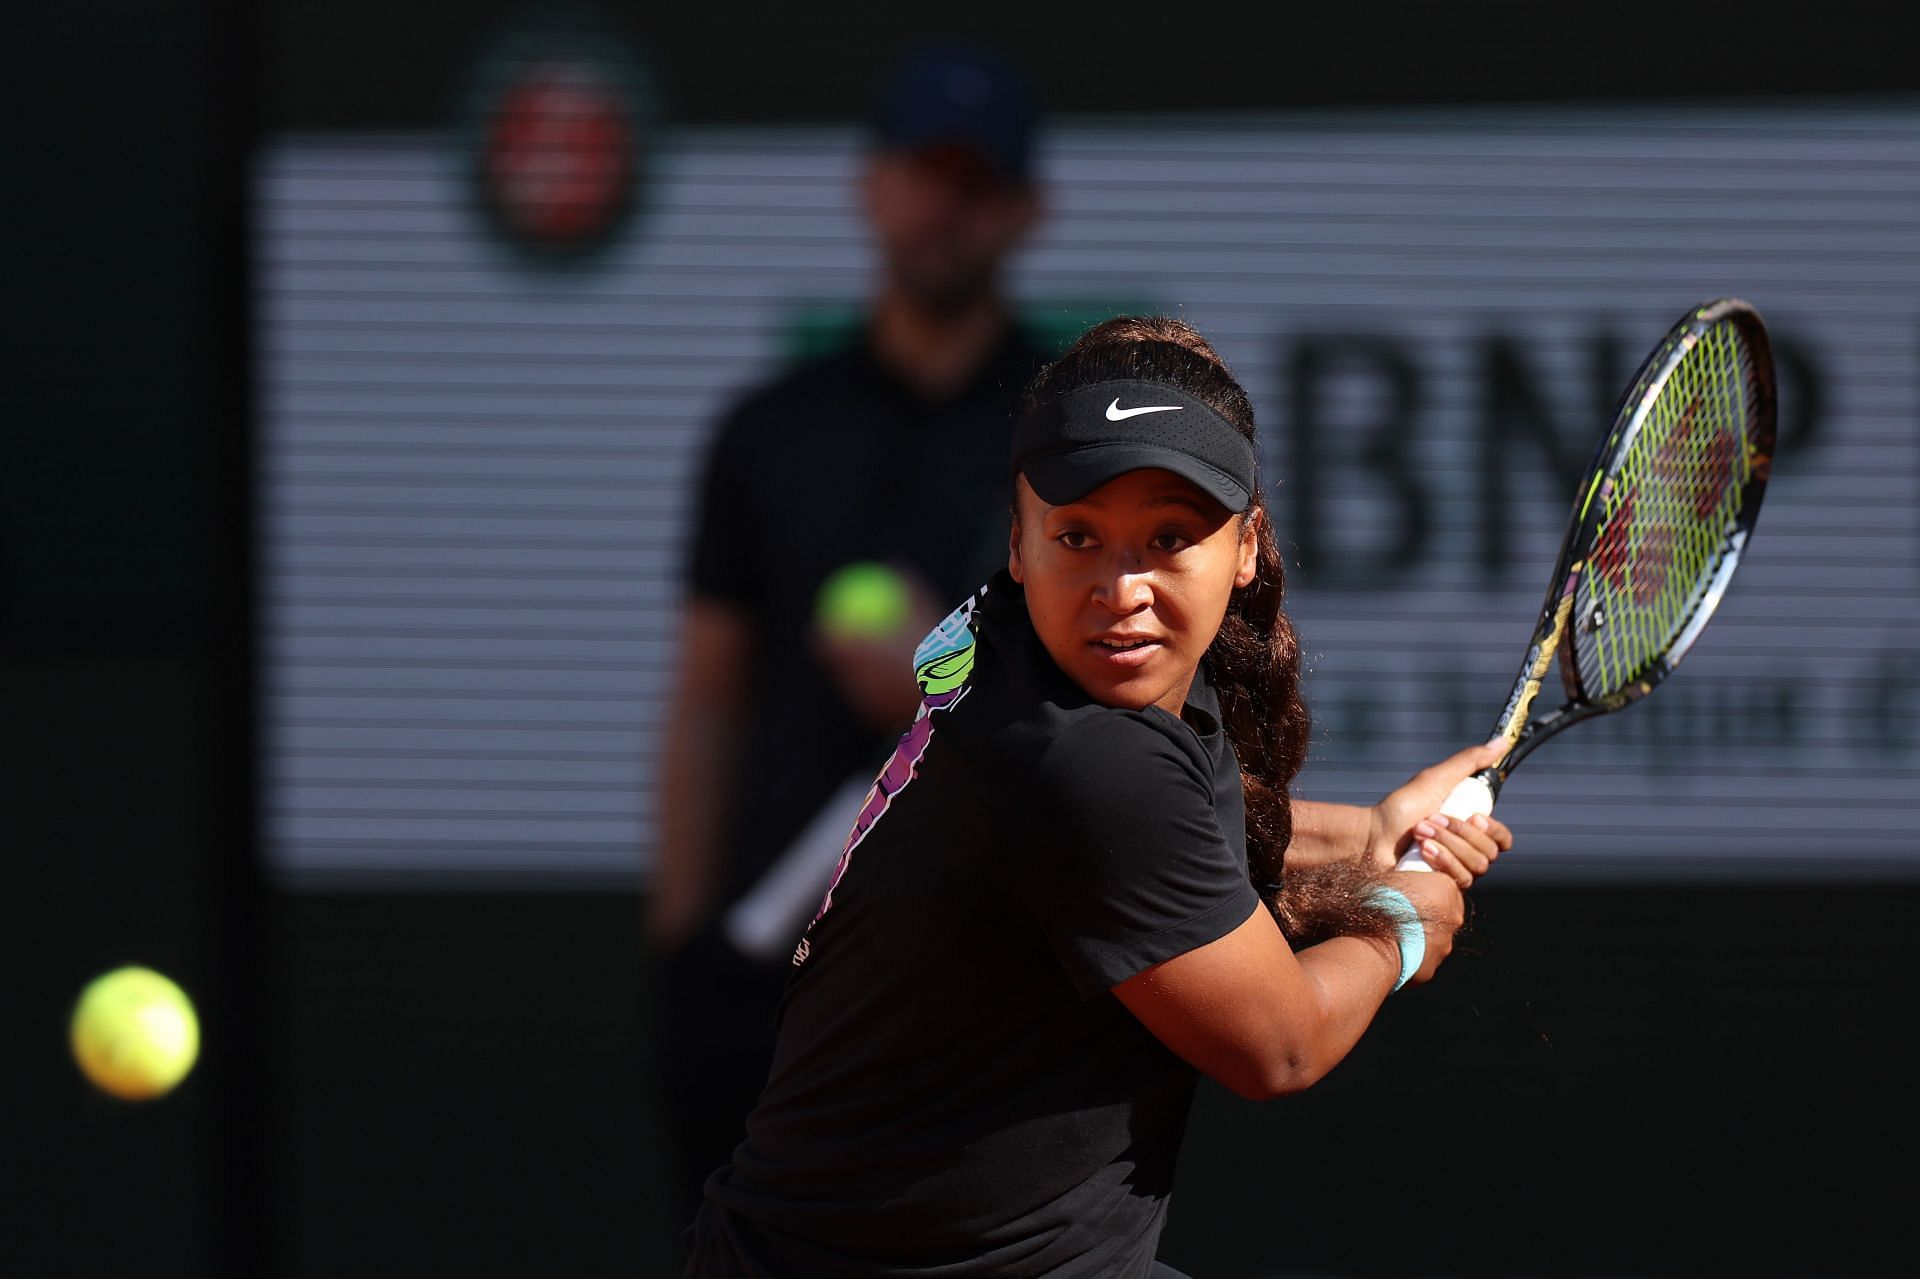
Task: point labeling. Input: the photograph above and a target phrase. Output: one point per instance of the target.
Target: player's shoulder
(1063, 758)
(1109, 750)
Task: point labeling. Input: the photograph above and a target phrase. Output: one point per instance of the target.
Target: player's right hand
(1461, 848)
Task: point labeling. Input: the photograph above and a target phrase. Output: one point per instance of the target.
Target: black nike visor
(1073, 444)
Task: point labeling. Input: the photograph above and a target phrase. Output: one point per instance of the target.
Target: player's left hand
(1410, 816)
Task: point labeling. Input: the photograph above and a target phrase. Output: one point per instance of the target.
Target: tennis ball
(134, 1033)
(862, 600)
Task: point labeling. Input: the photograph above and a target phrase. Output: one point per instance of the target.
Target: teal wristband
(1413, 934)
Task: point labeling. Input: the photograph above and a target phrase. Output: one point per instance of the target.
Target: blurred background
(366, 365)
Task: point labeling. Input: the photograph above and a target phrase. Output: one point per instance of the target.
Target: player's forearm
(1325, 833)
(1311, 1023)
(1255, 1016)
(1348, 978)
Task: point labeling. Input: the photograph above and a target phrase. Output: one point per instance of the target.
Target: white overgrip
(1470, 797)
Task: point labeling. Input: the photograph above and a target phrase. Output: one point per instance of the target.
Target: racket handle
(1473, 795)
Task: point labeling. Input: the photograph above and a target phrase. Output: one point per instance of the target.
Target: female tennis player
(1080, 880)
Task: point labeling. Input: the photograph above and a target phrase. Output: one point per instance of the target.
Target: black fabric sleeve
(1134, 867)
(723, 558)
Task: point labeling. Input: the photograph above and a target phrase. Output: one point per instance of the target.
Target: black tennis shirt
(955, 1091)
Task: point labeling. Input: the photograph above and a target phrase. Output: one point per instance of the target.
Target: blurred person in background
(892, 449)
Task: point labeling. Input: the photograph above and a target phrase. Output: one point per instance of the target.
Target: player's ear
(1249, 566)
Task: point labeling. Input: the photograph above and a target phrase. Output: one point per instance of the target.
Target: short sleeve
(722, 561)
(1134, 868)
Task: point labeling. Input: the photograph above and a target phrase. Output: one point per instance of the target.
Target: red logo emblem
(558, 134)
(559, 155)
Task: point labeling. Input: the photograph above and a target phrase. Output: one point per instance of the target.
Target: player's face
(944, 221)
(1128, 585)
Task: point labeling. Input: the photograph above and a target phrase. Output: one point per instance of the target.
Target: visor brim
(1068, 476)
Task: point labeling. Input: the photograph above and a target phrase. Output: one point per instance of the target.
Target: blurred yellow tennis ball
(863, 600)
(134, 1033)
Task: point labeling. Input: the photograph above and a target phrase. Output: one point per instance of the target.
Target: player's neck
(936, 351)
(1174, 700)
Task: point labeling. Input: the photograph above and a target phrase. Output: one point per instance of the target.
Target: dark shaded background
(346, 64)
(1623, 1081)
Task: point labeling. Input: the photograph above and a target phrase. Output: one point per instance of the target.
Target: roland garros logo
(557, 142)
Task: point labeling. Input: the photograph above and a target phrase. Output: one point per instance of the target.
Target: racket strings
(1668, 514)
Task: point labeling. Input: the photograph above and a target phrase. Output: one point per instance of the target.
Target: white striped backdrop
(475, 479)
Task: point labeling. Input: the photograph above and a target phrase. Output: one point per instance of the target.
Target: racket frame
(1524, 732)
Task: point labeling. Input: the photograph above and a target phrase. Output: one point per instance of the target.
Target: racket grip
(1473, 795)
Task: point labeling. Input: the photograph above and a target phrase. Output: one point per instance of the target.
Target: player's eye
(1075, 539)
(1170, 542)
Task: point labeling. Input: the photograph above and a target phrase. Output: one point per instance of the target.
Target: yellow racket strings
(1668, 516)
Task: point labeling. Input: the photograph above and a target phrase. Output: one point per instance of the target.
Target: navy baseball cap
(960, 95)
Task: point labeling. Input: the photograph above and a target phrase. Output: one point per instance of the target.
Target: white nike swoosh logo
(1117, 414)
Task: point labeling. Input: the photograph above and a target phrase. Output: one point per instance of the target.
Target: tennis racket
(1660, 521)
